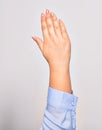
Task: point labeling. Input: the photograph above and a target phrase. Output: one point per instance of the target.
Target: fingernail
(42, 14)
(33, 37)
(52, 13)
(60, 20)
(47, 11)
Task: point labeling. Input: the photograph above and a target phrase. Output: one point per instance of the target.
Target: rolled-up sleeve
(60, 112)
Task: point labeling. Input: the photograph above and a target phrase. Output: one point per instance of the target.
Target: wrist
(60, 78)
(59, 67)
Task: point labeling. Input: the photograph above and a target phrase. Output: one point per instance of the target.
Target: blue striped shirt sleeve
(60, 112)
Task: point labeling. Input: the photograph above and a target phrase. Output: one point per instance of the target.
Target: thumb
(39, 42)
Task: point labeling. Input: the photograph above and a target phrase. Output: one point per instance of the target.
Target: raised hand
(55, 46)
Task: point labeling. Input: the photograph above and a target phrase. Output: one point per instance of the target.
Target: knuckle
(43, 27)
(49, 25)
(57, 27)
(48, 19)
(63, 31)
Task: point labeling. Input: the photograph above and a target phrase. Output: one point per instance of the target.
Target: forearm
(59, 78)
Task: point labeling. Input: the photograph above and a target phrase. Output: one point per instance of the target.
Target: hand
(55, 46)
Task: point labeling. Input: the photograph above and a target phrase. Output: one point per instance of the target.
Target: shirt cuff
(61, 100)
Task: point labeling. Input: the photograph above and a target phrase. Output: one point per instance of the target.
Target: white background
(24, 73)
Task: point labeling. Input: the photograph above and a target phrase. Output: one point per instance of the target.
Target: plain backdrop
(24, 73)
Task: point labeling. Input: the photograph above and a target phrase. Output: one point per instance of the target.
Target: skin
(56, 48)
